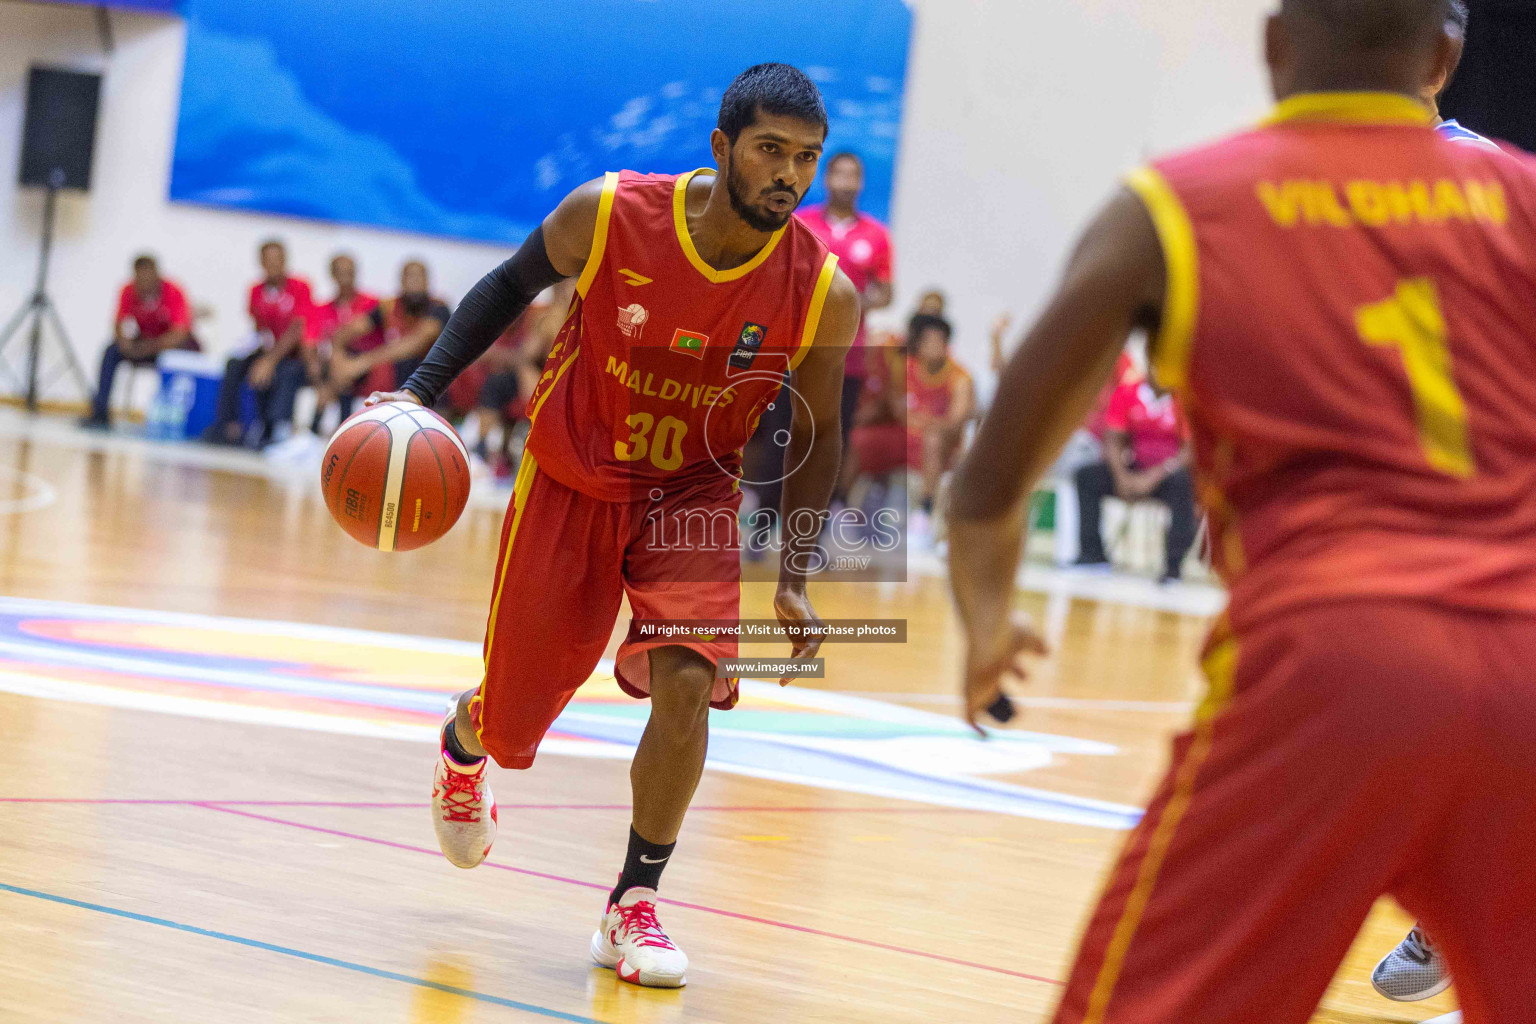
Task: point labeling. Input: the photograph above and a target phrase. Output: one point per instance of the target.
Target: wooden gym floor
(216, 722)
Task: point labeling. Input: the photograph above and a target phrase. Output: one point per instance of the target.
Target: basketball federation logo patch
(747, 344)
(690, 343)
(632, 320)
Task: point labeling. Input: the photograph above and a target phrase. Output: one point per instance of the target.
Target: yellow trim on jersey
(1181, 297)
(560, 372)
(1360, 108)
(680, 222)
(525, 474)
(1220, 666)
(599, 234)
(813, 311)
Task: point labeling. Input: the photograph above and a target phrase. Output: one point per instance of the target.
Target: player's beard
(757, 218)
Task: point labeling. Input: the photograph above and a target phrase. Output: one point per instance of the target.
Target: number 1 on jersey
(1411, 322)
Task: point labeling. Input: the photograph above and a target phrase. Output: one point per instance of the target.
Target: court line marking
(605, 887)
(43, 493)
(542, 1011)
(419, 804)
(1069, 703)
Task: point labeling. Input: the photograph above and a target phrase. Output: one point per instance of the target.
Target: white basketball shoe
(630, 940)
(463, 809)
(1411, 972)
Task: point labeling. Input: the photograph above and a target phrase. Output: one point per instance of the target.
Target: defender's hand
(988, 659)
(402, 395)
(805, 627)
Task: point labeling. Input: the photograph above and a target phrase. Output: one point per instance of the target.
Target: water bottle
(156, 418)
(179, 405)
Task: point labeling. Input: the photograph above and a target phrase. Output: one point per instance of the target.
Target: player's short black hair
(841, 155)
(927, 322)
(271, 243)
(772, 89)
(1373, 24)
(143, 260)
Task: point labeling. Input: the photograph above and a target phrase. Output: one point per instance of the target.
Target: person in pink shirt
(1146, 456)
(863, 248)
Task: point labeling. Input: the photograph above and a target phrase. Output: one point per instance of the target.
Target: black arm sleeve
(489, 309)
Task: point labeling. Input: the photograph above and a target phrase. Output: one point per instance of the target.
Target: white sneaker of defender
(1411, 972)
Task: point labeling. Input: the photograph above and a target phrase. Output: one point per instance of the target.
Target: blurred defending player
(1341, 299)
(1415, 969)
(694, 294)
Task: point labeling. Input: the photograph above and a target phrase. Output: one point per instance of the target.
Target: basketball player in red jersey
(1341, 299)
(694, 294)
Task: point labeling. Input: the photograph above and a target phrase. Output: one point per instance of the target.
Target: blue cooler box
(189, 394)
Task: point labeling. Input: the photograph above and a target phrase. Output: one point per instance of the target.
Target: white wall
(1021, 115)
(211, 252)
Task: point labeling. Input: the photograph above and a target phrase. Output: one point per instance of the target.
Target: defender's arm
(1114, 283)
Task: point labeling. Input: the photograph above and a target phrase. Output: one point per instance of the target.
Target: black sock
(642, 866)
(456, 749)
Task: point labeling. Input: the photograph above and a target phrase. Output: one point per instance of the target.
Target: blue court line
(542, 1011)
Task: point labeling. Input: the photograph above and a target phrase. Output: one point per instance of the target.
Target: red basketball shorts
(1345, 751)
(566, 561)
(881, 448)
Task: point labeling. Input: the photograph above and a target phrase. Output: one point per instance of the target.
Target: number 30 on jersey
(664, 443)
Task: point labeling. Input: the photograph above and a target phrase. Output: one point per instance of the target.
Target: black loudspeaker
(59, 137)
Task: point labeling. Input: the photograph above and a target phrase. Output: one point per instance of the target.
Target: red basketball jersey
(1350, 324)
(933, 393)
(664, 364)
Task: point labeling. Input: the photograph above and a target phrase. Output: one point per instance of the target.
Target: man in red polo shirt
(152, 316)
(1145, 456)
(273, 362)
(863, 249)
(329, 318)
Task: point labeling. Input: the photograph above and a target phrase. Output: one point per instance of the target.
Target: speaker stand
(38, 308)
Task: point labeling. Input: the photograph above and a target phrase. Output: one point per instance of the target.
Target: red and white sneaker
(463, 809)
(630, 940)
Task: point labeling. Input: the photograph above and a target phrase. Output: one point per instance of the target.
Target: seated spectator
(374, 350)
(348, 305)
(494, 390)
(1146, 456)
(1085, 446)
(940, 401)
(152, 317)
(931, 303)
(272, 361)
(878, 441)
(408, 324)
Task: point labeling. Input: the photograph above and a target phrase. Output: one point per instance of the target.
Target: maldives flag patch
(690, 343)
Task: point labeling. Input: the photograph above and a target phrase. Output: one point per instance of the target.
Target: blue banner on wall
(472, 118)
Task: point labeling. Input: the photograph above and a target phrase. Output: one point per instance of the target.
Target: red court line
(366, 804)
(603, 886)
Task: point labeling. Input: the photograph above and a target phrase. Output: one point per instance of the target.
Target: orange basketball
(395, 476)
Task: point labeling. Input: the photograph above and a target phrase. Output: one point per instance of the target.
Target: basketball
(395, 476)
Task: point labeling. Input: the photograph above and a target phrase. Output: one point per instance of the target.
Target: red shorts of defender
(1346, 751)
(566, 560)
